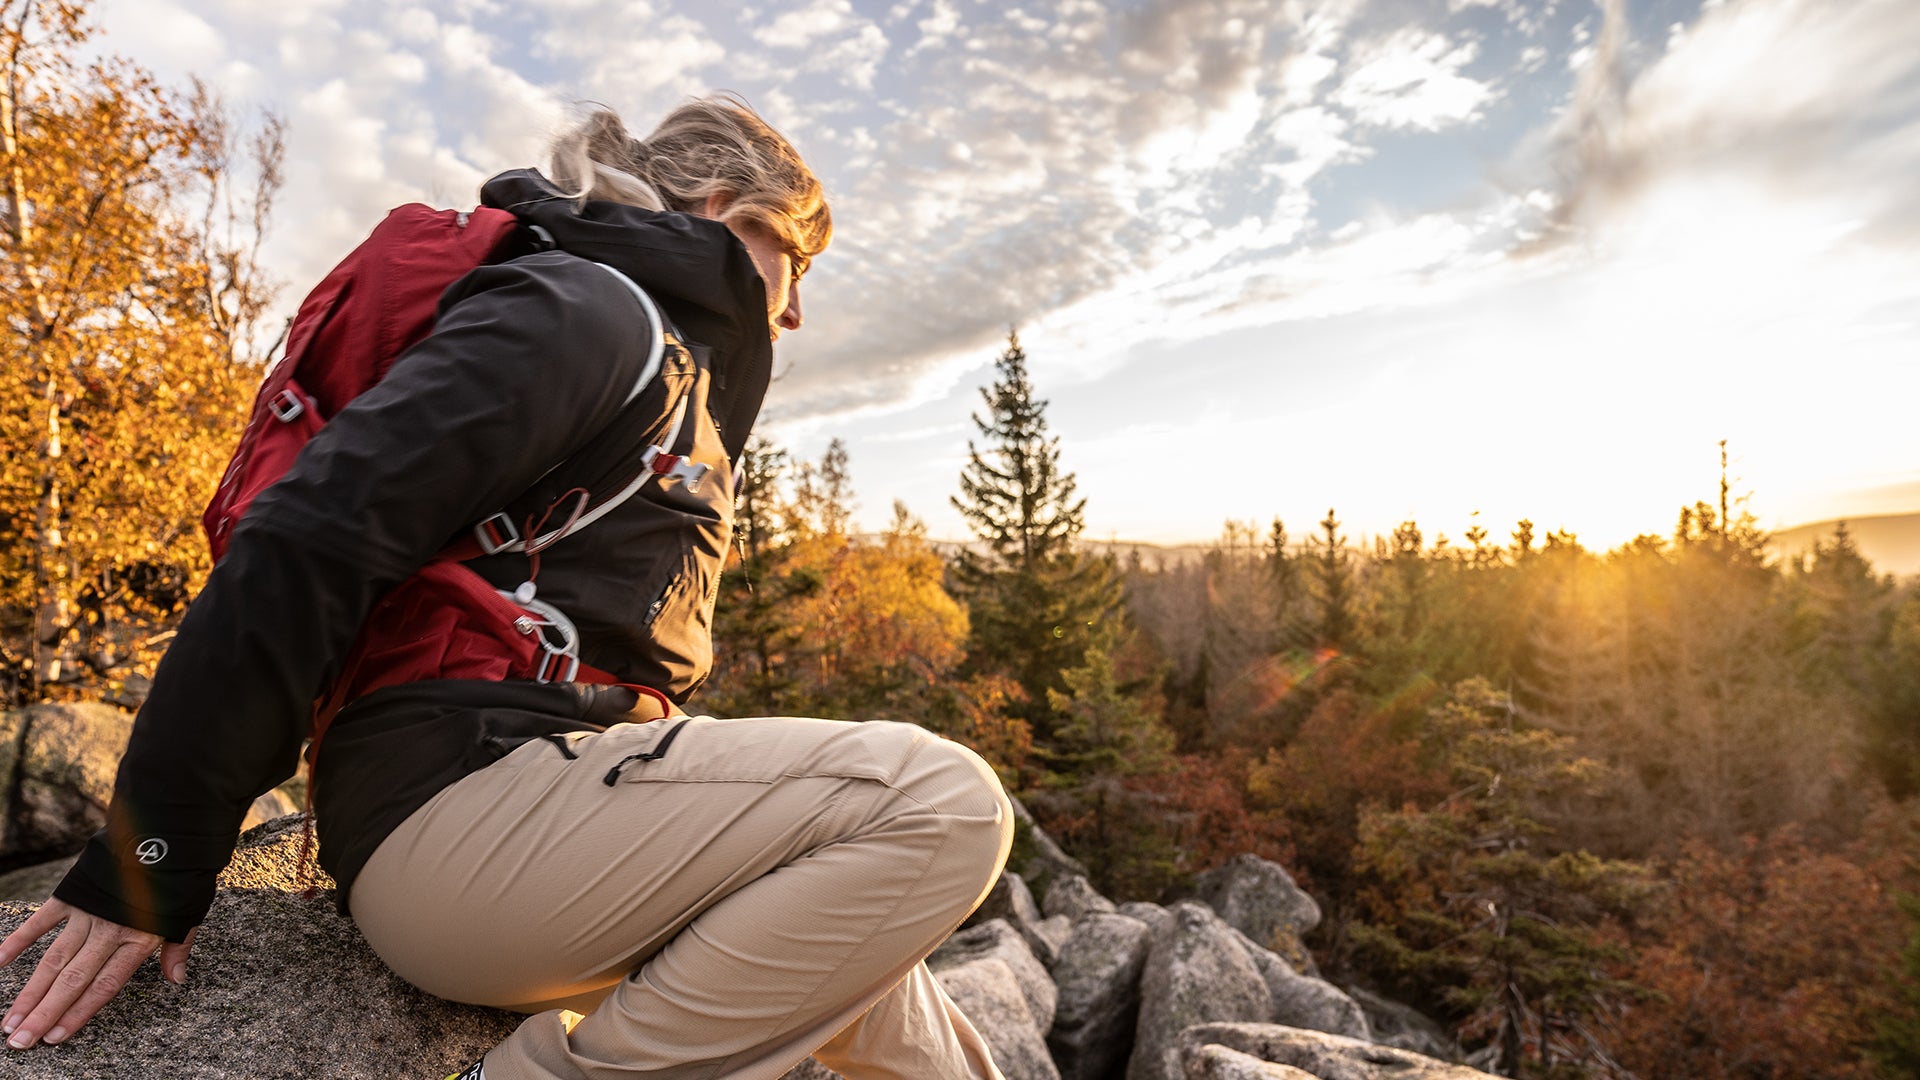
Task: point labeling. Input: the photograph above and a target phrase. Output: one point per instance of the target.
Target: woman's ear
(716, 204)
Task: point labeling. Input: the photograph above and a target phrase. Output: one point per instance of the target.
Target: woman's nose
(790, 318)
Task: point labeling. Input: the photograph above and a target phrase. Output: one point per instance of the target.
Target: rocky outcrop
(1394, 1024)
(1212, 1062)
(56, 775)
(998, 941)
(57, 764)
(1259, 899)
(1035, 856)
(1099, 980)
(235, 1017)
(1073, 898)
(987, 992)
(1318, 1054)
(1198, 972)
(1153, 915)
(1305, 1002)
(1155, 993)
(1011, 900)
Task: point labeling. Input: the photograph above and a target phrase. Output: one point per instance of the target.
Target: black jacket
(528, 366)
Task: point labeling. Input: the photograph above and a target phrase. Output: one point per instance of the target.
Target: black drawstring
(565, 745)
(659, 751)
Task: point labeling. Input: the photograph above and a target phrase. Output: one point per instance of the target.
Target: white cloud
(1412, 79)
(1803, 97)
(806, 26)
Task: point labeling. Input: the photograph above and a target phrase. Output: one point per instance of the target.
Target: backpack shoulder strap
(498, 534)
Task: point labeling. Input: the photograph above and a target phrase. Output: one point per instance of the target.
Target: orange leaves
(104, 312)
(1770, 963)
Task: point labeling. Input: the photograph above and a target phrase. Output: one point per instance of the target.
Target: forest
(1642, 812)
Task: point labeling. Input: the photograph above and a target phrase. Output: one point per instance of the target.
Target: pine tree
(1037, 603)
(1334, 585)
(823, 493)
(1106, 737)
(752, 635)
(1470, 904)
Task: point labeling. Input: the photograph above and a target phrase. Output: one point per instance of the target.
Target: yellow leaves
(104, 292)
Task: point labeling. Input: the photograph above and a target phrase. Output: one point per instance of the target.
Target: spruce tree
(1333, 581)
(1013, 495)
(1037, 602)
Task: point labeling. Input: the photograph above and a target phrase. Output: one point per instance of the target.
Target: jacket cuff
(161, 884)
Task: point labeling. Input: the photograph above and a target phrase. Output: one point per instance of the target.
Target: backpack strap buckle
(673, 466)
(286, 406)
(556, 664)
(496, 534)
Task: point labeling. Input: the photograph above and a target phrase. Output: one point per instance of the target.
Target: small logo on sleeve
(150, 851)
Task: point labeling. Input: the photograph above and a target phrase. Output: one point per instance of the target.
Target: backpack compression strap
(499, 534)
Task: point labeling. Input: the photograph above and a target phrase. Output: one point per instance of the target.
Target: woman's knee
(961, 787)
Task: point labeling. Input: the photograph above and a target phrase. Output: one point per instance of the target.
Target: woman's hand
(85, 966)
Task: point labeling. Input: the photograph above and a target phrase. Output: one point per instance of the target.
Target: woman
(719, 897)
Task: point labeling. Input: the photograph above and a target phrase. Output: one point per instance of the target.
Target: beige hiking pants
(765, 890)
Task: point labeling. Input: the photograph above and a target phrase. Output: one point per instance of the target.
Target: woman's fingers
(173, 958)
(85, 966)
(50, 915)
(113, 974)
(65, 946)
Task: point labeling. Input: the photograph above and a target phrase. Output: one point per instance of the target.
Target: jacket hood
(697, 269)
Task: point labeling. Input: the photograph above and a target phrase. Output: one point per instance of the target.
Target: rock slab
(990, 996)
(277, 983)
(1327, 1057)
(1197, 973)
(997, 940)
(1258, 898)
(56, 776)
(1305, 1002)
(1099, 980)
(1212, 1062)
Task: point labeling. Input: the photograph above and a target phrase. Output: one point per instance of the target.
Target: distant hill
(1890, 542)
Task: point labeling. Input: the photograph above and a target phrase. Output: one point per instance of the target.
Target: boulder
(1394, 1024)
(1011, 900)
(1327, 1057)
(1099, 980)
(996, 939)
(990, 996)
(1153, 915)
(1073, 897)
(1197, 973)
(1304, 1002)
(35, 883)
(57, 764)
(1054, 931)
(1258, 898)
(811, 1070)
(56, 775)
(1035, 856)
(1219, 1063)
(236, 1016)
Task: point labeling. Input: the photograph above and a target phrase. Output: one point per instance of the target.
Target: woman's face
(774, 262)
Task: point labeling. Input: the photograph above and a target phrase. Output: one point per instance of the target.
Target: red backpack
(445, 621)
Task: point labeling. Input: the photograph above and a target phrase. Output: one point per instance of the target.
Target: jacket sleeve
(528, 360)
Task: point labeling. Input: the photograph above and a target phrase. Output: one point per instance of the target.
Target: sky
(1450, 261)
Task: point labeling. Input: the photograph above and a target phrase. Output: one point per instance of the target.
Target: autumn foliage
(1639, 813)
(129, 302)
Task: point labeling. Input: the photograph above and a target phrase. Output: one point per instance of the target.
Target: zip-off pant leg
(766, 890)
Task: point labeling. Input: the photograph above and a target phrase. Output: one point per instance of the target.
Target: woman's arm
(529, 359)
